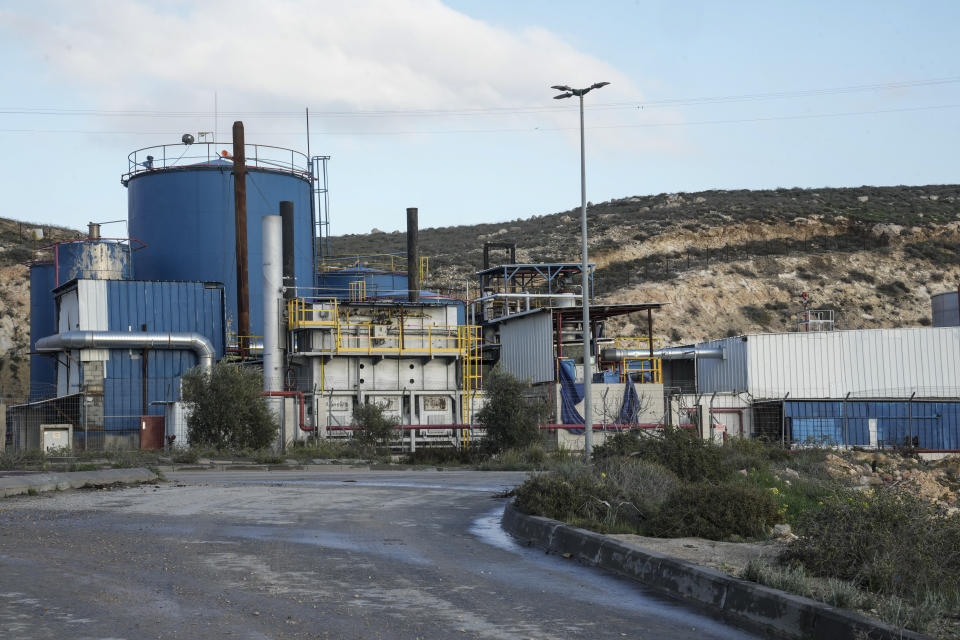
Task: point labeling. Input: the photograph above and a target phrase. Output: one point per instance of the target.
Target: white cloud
(349, 57)
(364, 55)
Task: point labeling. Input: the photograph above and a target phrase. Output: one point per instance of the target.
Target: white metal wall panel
(92, 298)
(727, 375)
(526, 347)
(864, 363)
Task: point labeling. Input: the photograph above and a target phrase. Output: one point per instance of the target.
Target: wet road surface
(306, 555)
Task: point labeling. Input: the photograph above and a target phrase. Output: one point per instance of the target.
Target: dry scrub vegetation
(873, 531)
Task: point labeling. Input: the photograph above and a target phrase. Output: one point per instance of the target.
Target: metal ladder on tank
(320, 207)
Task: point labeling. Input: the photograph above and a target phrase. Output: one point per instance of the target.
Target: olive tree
(511, 420)
(228, 408)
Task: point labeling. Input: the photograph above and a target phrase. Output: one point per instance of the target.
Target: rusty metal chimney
(240, 227)
(413, 256)
(289, 255)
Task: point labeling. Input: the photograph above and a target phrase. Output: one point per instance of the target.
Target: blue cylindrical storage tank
(336, 284)
(92, 259)
(185, 216)
(43, 322)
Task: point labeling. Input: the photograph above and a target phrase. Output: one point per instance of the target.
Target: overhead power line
(475, 111)
(804, 116)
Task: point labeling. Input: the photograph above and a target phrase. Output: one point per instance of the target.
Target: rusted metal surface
(240, 220)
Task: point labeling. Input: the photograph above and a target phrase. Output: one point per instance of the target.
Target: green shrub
(716, 512)
(558, 495)
(183, 455)
(643, 484)
(511, 420)
(379, 430)
(889, 542)
(682, 451)
(441, 456)
(229, 410)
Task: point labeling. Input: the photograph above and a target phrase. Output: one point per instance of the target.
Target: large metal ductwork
(195, 342)
(672, 353)
(272, 233)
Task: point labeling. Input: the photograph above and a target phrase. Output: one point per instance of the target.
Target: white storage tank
(946, 309)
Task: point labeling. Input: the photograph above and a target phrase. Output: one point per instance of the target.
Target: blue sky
(447, 106)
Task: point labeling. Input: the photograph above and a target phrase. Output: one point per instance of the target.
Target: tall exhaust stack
(289, 262)
(413, 255)
(240, 227)
(272, 283)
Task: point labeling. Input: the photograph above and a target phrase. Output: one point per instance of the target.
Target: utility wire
(807, 116)
(473, 111)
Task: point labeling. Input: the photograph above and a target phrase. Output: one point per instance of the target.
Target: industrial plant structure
(211, 269)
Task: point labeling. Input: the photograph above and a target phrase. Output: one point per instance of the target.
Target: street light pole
(585, 272)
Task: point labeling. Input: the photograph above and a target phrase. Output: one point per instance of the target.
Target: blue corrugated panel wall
(936, 425)
(161, 306)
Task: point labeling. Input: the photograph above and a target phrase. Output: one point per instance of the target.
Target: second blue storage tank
(43, 322)
(185, 216)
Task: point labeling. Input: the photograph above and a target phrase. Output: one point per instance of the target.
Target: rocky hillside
(733, 262)
(19, 243)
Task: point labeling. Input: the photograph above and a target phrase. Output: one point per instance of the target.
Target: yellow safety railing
(380, 261)
(310, 311)
(638, 342)
(358, 290)
(397, 339)
(650, 370)
(424, 267)
(250, 344)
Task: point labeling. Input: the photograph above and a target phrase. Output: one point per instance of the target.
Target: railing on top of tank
(380, 261)
(169, 156)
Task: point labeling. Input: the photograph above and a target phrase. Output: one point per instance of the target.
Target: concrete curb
(16, 485)
(760, 607)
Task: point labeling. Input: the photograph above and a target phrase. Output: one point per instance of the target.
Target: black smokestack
(413, 255)
(289, 267)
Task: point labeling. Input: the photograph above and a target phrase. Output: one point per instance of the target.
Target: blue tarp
(631, 404)
(571, 393)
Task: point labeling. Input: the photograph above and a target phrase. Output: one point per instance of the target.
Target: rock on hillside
(17, 247)
(732, 262)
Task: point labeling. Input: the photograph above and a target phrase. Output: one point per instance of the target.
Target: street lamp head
(562, 95)
(561, 87)
(599, 84)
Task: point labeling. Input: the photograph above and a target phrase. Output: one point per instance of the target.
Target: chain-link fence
(75, 421)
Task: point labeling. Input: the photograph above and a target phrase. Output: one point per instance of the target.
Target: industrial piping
(673, 353)
(299, 396)
(195, 342)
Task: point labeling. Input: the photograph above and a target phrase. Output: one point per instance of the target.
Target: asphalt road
(306, 555)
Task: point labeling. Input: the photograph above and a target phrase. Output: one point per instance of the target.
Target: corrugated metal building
(526, 346)
(869, 387)
(866, 363)
(135, 380)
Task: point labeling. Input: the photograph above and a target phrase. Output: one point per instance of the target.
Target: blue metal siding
(186, 218)
(43, 322)
(162, 306)
(936, 425)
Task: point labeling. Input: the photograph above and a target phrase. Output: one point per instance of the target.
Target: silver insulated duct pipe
(195, 342)
(671, 353)
(272, 234)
